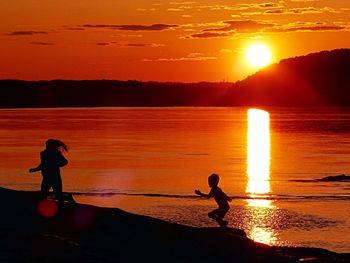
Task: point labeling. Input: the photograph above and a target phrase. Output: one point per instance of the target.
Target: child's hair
(213, 179)
(53, 144)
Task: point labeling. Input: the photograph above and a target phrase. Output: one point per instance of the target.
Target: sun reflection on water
(258, 156)
(263, 235)
(258, 171)
(259, 202)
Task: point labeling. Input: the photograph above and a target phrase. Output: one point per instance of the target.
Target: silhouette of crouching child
(51, 161)
(221, 199)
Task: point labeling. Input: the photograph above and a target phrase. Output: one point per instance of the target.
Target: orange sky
(183, 41)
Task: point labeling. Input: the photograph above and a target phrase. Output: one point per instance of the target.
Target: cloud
(304, 10)
(181, 6)
(216, 8)
(250, 26)
(303, 1)
(273, 11)
(201, 25)
(268, 8)
(315, 28)
(308, 27)
(137, 45)
(209, 35)
(26, 33)
(118, 44)
(75, 28)
(142, 45)
(229, 28)
(241, 7)
(43, 43)
(154, 27)
(292, 11)
(267, 5)
(301, 11)
(251, 13)
(128, 35)
(241, 26)
(189, 57)
(196, 6)
(174, 9)
(182, 3)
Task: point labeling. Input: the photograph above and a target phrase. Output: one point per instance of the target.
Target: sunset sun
(258, 55)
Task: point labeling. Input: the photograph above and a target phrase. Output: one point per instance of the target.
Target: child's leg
(218, 215)
(57, 189)
(45, 188)
(213, 214)
(222, 212)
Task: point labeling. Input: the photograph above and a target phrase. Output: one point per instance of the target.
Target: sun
(258, 55)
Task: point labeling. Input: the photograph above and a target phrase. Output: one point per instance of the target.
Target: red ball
(47, 208)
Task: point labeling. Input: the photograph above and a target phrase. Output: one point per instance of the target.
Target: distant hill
(98, 93)
(316, 79)
(313, 80)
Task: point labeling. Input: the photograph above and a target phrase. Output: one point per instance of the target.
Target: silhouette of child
(51, 161)
(221, 199)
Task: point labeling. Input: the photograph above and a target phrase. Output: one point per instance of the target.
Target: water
(150, 160)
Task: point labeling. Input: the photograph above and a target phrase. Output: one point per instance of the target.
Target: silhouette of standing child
(51, 161)
(221, 199)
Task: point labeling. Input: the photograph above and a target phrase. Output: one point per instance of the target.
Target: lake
(150, 160)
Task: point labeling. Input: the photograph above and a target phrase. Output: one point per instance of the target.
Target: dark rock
(335, 178)
(85, 233)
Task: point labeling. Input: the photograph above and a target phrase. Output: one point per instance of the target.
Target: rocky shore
(33, 231)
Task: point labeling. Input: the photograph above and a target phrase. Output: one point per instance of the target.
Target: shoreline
(86, 233)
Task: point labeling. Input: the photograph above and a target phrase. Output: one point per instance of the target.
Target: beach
(85, 233)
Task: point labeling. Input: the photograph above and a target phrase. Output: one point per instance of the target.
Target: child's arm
(36, 169)
(61, 160)
(201, 194)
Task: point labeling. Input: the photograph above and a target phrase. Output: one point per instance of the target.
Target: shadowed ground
(84, 233)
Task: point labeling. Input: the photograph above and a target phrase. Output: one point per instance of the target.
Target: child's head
(53, 144)
(213, 180)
